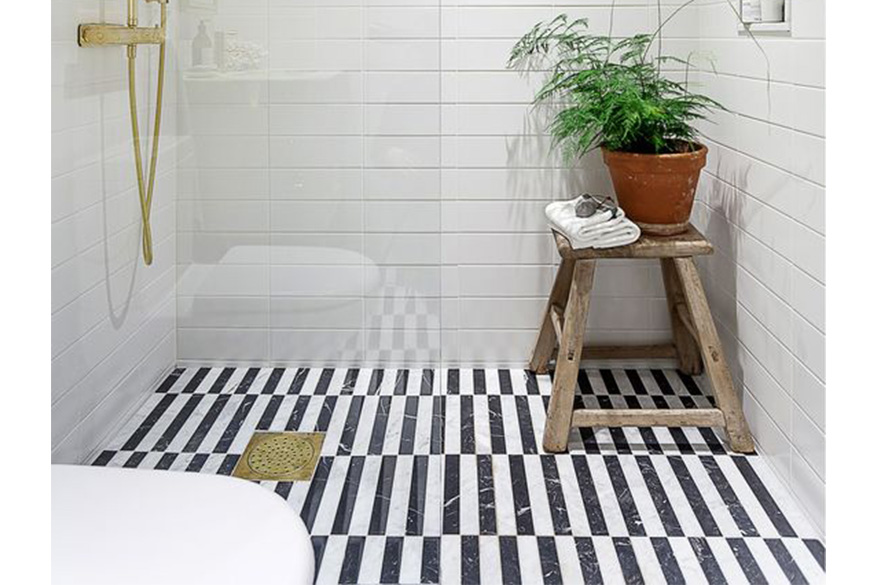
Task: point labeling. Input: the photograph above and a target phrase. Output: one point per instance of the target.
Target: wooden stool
(695, 342)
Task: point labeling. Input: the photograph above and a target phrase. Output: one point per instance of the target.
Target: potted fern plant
(611, 93)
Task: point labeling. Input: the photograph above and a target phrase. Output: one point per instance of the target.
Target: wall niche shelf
(767, 27)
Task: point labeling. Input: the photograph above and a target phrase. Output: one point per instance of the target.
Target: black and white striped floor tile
(430, 476)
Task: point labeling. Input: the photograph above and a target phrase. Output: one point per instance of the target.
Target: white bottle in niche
(201, 45)
(772, 10)
(751, 11)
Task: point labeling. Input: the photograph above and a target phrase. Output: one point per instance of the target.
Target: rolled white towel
(601, 230)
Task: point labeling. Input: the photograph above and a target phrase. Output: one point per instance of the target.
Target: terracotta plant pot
(656, 190)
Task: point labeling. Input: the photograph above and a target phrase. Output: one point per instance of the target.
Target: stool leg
(688, 352)
(714, 360)
(560, 412)
(546, 338)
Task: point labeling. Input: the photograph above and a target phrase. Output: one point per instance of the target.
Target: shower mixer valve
(100, 34)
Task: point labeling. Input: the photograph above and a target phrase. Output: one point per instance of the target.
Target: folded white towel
(601, 230)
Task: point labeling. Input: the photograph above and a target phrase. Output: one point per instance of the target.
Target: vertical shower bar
(132, 13)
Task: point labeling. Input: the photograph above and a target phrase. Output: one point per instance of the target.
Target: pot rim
(701, 150)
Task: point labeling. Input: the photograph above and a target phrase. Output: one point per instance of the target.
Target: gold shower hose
(146, 192)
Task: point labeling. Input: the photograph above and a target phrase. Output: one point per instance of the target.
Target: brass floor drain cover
(280, 456)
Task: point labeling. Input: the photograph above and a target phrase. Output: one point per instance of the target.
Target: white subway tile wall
(113, 318)
(762, 202)
(374, 191)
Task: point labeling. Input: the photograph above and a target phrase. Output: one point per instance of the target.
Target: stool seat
(695, 341)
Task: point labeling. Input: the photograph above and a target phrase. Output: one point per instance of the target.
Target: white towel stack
(601, 230)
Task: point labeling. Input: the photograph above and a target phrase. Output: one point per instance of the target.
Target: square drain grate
(284, 456)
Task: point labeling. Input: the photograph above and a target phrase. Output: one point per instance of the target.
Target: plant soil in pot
(656, 190)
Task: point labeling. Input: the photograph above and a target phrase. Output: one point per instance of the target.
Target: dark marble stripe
(345, 506)
(610, 382)
(708, 562)
(427, 382)
(196, 381)
(748, 563)
(273, 380)
(487, 504)
(431, 555)
(525, 425)
(469, 560)
(228, 464)
(170, 380)
(166, 461)
(453, 385)
(375, 382)
(298, 413)
(269, 413)
(135, 459)
(437, 432)
(174, 428)
(583, 381)
(298, 381)
(662, 382)
(350, 381)
(650, 441)
(311, 505)
(197, 462)
(323, 382)
(555, 495)
(510, 568)
(817, 551)
(693, 495)
(690, 384)
(325, 416)
(353, 557)
(785, 560)
(730, 499)
(495, 423)
(451, 501)
(151, 419)
(244, 385)
(104, 458)
(392, 561)
(712, 441)
(592, 504)
(409, 426)
(479, 384)
(467, 426)
(220, 383)
(401, 384)
(283, 489)
(588, 561)
(768, 504)
(683, 444)
(379, 426)
(352, 422)
(235, 424)
(520, 495)
(549, 563)
(636, 383)
(319, 544)
(667, 561)
(206, 423)
(505, 380)
(587, 434)
(628, 561)
(414, 523)
(659, 497)
(531, 384)
(624, 496)
(383, 493)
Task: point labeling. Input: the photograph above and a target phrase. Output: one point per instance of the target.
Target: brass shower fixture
(131, 35)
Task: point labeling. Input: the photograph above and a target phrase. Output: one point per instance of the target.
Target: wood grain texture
(547, 337)
(649, 417)
(685, 335)
(689, 243)
(629, 352)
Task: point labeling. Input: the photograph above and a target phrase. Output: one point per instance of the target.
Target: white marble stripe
(188, 429)
(298, 493)
(208, 381)
(538, 417)
(519, 382)
(233, 381)
(539, 500)
(608, 561)
(213, 463)
(150, 460)
(395, 419)
(336, 382)
(331, 496)
(282, 416)
(725, 558)
(433, 501)
(466, 381)
(336, 424)
(573, 497)
(183, 380)
(696, 439)
(503, 500)
(635, 440)
(607, 496)
(399, 497)
(688, 562)
(805, 560)
(310, 382)
(568, 559)
(158, 429)
(286, 380)
(424, 427)
(363, 434)
(330, 568)
(452, 425)
(482, 425)
(365, 501)
(262, 377)
(469, 495)
(664, 438)
(718, 509)
(249, 423)
(677, 497)
(764, 527)
(410, 565)
(529, 560)
(646, 509)
(133, 423)
(511, 428)
(783, 498)
(767, 562)
(312, 414)
(361, 387)
(489, 560)
(181, 462)
(492, 381)
(652, 387)
(372, 561)
(449, 560)
(647, 561)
